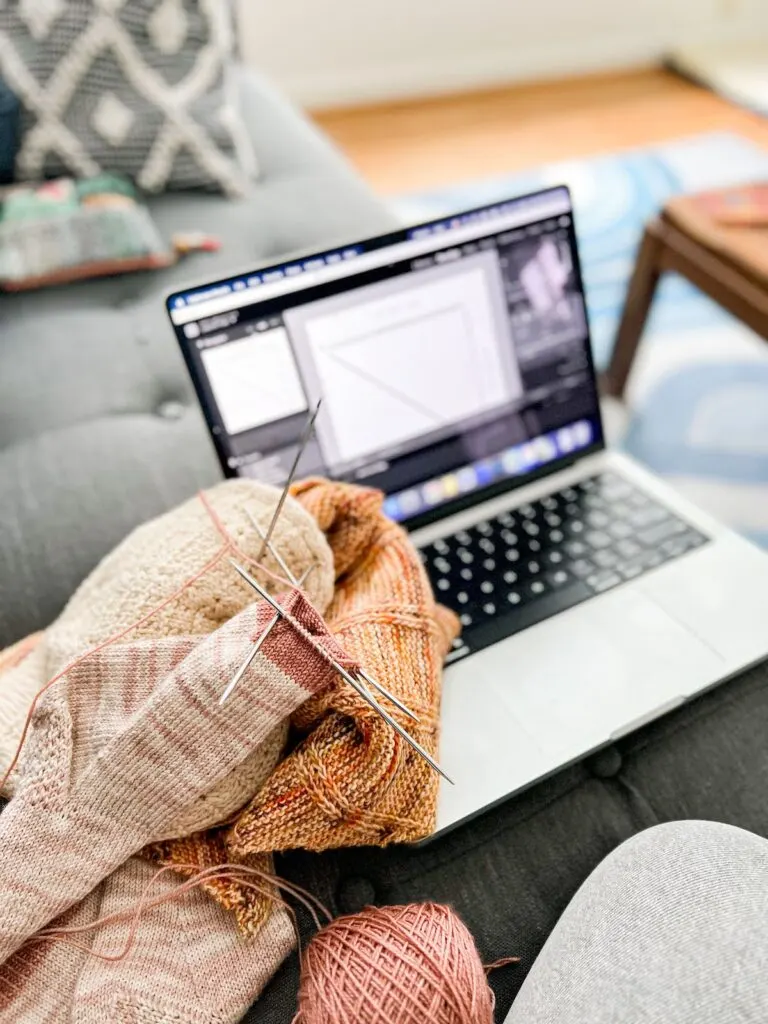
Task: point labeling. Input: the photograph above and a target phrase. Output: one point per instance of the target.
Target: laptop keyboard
(521, 567)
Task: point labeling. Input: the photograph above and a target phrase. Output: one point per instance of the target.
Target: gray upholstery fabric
(99, 427)
(672, 926)
(511, 872)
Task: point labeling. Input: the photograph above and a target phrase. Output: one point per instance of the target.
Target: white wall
(327, 52)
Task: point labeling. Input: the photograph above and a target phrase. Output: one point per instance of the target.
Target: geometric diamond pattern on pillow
(133, 87)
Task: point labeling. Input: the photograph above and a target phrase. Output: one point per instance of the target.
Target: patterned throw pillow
(135, 87)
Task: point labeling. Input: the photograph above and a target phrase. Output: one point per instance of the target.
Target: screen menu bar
(298, 274)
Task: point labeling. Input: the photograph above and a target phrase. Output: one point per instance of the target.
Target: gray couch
(99, 426)
(99, 431)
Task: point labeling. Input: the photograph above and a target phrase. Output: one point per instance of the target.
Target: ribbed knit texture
(131, 742)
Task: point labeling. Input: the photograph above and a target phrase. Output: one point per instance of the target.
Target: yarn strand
(242, 873)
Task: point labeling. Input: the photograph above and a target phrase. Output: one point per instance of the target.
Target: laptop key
(598, 519)
(559, 578)
(605, 558)
(651, 559)
(620, 530)
(596, 539)
(582, 568)
(603, 581)
(628, 570)
(647, 516)
(628, 548)
(662, 531)
(575, 548)
(676, 546)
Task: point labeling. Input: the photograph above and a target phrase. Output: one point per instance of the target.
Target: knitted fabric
(352, 780)
(152, 564)
(187, 963)
(130, 742)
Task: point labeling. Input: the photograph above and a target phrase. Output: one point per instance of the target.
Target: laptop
(454, 363)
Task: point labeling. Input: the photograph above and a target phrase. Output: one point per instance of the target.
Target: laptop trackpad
(581, 677)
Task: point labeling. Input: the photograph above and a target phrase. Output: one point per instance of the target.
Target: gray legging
(672, 927)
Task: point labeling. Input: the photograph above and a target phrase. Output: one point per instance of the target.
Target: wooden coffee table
(730, 264)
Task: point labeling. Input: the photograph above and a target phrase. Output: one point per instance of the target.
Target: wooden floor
(418, 145)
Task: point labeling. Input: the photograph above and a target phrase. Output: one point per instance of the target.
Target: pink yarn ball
(395, 965)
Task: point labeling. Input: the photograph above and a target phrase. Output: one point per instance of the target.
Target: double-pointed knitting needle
(257, 646)
(271, 548)
(299, 452)
(359, 688)
(385, 693)
(289, 575)
(267, 546)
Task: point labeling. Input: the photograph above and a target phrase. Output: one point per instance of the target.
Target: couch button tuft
(171, 410)
(605, 764)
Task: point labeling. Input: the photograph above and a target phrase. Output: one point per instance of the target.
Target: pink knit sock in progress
(127, 740)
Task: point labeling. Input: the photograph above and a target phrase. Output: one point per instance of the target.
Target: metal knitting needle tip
(256, 586)
(304, 441)
(247, 663)
(390, 696)
(271, 548)
(356, 686)
(366, 696)
(257, 646)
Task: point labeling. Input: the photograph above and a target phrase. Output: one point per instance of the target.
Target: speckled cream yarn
(353, 781)
(143, 571)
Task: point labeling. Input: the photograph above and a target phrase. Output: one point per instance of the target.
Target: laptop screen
(453, 359)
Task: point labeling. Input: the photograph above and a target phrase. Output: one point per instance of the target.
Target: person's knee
(697, 847)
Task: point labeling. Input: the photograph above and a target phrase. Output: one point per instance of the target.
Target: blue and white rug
(698, 397)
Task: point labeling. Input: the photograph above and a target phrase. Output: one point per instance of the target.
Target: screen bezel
(381, 242)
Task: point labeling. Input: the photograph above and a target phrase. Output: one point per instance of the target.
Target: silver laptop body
(455, 368)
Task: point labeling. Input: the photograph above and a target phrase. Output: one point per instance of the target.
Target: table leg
(645, 279)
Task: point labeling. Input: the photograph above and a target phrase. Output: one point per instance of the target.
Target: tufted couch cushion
(99, 427)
